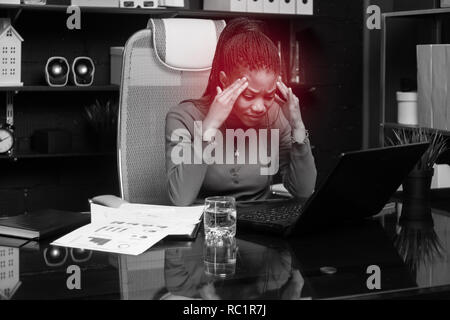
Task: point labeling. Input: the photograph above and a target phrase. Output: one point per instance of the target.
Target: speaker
(57, 71)
(83, 71)
(80, 255)
(55, 256)
(144, 4)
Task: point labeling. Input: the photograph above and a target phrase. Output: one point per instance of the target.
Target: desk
(413, 258)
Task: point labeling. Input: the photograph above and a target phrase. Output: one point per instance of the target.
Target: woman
(245, 92)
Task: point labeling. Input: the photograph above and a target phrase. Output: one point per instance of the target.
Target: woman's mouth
(255, 117)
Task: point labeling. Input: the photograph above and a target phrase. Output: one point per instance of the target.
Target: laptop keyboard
(283, 214)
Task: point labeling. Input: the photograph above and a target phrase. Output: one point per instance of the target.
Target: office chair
(162, 65)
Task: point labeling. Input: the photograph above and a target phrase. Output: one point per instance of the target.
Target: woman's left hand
(290, 105)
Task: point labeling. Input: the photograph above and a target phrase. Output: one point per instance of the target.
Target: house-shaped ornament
(9, 272)
(10, 54)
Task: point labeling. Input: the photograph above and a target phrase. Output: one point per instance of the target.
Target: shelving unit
(158, 12)
(398, 58)
(113, 88)
(36, 89)
(33, 155)
(16, 13)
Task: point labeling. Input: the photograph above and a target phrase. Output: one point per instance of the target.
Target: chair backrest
(141, 277)
(149, 87)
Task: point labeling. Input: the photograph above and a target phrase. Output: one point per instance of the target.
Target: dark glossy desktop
(412, 256)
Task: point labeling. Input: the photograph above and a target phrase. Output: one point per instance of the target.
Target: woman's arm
(296, 160)
(184, 179)
(297, 166)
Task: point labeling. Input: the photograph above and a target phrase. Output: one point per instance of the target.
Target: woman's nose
(258, 108)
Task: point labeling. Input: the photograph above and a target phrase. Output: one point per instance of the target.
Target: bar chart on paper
(99, 241)
(131, 230)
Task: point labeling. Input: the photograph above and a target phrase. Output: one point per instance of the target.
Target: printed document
(132, 228)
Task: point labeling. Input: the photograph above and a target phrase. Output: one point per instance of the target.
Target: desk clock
(6, 138)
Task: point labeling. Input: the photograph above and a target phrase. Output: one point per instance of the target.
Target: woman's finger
(280, 101)
(235, 86)
(238, 92)
(231, 96)
(219, 90)
(283, 90)
(231, 87)
(294, 99)
(290, 94)
(280, 80)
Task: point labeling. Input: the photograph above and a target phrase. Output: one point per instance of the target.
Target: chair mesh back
(148, 90)
(141, 277)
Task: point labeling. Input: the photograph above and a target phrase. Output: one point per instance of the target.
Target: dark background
(331, 94)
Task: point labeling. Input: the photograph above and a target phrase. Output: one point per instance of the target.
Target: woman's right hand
(222, 105)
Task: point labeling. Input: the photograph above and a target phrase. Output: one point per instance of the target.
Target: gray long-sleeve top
(189, 182)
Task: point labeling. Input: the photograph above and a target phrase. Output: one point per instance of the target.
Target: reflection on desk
(419, 244)
(413, 258)
(261, 272)
(9, 272)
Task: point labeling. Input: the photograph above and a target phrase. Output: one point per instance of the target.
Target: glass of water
(220, 261)
(219, 218)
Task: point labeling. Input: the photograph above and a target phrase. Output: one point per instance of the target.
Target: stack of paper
(131, 228)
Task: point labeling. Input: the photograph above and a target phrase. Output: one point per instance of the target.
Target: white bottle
(407, 108)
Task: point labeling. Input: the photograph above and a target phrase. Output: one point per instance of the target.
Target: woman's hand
(222, 105)
(291, 109)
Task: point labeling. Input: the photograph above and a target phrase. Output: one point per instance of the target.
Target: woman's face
(252, 105)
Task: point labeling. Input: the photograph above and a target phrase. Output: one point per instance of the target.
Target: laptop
(358, 187)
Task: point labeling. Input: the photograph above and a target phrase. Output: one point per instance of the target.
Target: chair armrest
(108, 201)
(280, 190)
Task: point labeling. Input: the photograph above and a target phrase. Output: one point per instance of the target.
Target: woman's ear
(223, 80)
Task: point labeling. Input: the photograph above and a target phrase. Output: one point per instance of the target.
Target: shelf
(417, 13)
(186, 13)
(158, 12)
(32, 155)
(62, 89)
(311, 87)
(391, 125)
(107, 10)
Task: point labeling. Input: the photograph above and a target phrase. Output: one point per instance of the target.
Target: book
(42, 224)
(12, 242)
